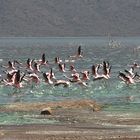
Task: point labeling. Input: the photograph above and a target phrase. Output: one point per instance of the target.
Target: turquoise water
(113, 93)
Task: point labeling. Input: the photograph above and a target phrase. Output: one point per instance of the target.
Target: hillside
(69, 17)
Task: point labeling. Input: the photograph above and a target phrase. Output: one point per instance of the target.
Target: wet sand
(76, 120)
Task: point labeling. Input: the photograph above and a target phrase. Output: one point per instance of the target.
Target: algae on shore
(73, 104)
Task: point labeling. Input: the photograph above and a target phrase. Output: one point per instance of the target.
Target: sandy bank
(76, 120)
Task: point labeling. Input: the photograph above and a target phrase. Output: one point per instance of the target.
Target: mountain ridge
(36, 18)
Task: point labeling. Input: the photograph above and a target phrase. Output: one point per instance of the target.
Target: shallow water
(116, 95)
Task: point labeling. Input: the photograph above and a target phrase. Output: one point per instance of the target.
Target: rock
(46, 111)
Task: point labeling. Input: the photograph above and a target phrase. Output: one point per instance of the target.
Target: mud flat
(74, 120)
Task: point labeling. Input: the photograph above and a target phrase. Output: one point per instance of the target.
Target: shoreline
(70, 132)
(75, 120)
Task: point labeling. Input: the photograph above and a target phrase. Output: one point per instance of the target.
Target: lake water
(115, 94)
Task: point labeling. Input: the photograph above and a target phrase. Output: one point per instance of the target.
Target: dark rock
(46, 111)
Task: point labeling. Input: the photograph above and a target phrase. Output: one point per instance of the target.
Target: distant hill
(69, 17)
